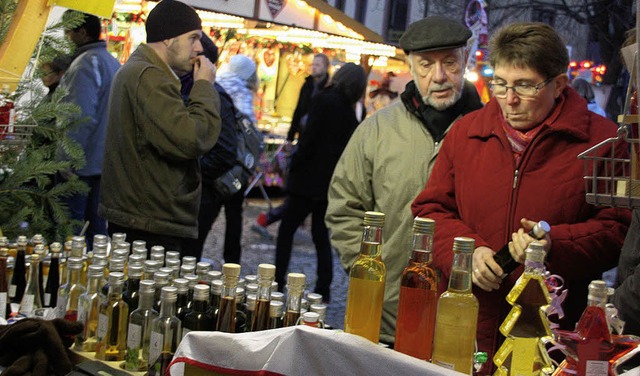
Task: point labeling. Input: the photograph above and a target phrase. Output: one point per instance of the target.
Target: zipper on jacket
(515, 178)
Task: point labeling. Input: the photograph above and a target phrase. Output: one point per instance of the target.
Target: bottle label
(134, 336)
(82, 314)
(12, 291)
(3, 305)
(597, 368)
(61, 307)
(103, 322)
(155, 347)
(26, 306)
(47, 299)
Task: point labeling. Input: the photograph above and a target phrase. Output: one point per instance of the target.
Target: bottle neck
(19, 265)
(229, 287)
(371, 241)
(115, 291)
(294, 298)
(200, 306)
(264, 288)
(3, 274)
(422, 248)
(74, 276)
(133, 285)
(34, 275)
(146, 301)
(92, 284)
(168, 308)
(460, 279)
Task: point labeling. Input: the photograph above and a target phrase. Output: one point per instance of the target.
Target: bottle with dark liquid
(418, 295)
(260, 319)
(53, 280)
(131, 293)
(226, 320)
(5, 309)
(166, 332)
(113, 320)
(69, 293)
(41, 251)
(182, 302)
(457, 314)
(19, 278)
(241, 310)
(366, 282)
(295, 291)
(503, 257)
(139, 332)
(200, 317)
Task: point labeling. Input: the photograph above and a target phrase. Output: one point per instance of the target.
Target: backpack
(250, 146)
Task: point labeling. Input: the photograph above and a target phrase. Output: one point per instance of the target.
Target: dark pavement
(257, 249)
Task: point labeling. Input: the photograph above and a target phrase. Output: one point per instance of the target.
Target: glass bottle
(130, 295)
(250, 308)
(41, 251)
(214, 298)
(200, 317)
(311, 319)
(117, 237)
(182, 301)
(202, 268)
(321, 310)
(187, 269)
(174, 265)
(226, 320)
(139, 332)
(295, 290)
(418, 295)
(189, 260)
(150, 269)
(166, 332)
(192, 281)
(19, 278)
(53, 280)
(241, 311)
(161, 280)
(115, 265)
(457, 314)
(172, 255)
(503, 256)
(276, 314)
(69, 293)
(31, 299)
(260, 319)
(5, 309)
(88, 309)
(112, 322)
(523, 351)
(366, 282)
(77, 250)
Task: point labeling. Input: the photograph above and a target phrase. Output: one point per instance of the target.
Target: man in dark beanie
(390, 155)
(152, 184)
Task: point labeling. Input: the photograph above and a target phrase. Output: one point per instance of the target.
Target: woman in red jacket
(512, 163)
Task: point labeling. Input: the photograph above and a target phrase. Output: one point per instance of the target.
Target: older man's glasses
(522, 90)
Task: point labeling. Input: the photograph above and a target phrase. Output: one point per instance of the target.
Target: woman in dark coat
(331, 122)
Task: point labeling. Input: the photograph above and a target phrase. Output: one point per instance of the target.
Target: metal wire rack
(14, 137)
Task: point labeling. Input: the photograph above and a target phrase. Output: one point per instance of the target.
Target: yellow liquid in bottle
(455, 333)
(364, 308)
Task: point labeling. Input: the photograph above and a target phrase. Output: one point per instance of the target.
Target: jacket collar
(150, 55)
(570, 116)
(89, 46)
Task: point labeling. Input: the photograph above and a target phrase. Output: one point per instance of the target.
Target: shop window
(361, 10)
(397, 19)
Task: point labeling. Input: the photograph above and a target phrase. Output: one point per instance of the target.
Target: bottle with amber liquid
(19, 277)
(139, 332)
(88, 309)
(226, 320)
(295, 291)
(53, 280)
(260, 319)
(200, 317)
(31, 298)
(366, 282)
(5, 309)
(166, 333)
(457, 314)
(69, 293)
(113, 320)
(418, 295)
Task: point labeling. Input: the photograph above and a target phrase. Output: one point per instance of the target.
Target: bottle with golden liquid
(457, 314)
(113, 319)
(88, 307)
(260, 319)
(366, 282)
(523, 352)
(69, 293)
(418, 295)
(226, 320)
(77, 250)
(295, 291)
(166, 333)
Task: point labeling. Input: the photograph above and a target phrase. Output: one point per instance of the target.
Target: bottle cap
(251, 278)
(231, 270)
(189, 260)
(598, 290)
(201, 292)
(4, 252)
(252, 288)
(117, 237)
(102, 260)
(74, 263)
(480, 357)
(98, 248)
(55, 247)
(372, 218)
(276, 308)
(139, 244)
(34, 258)
(116, 264)
(100, 239)
(22, 240)
(187, 269)
(216, 287)
(123, 246)
(169, 293)
(37, 238)
(424, 225)
(182, 284)
(166, 269)
(136, 260)
(40, 249)
(173, 263)
(147, 286)
(541, 229)
(116, 278)
(203, 267)
(161, 278)
(296, 279)
(95, 270)
(134, 271)
(193, 280)
(157, 249)
(310, 317)
(172, 255)
(251, 301)
(463, 244)
(239, 294)
(274, 286)
(213, 275)
(142, 252)
(266, 270)
(314, 298)
(277, 296)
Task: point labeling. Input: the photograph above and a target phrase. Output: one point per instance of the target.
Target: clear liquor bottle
(166, 332)
(131, 293)
(295, 291)
(139, 332)
(366, 282)
(88, 307)
(5, 309)
(53, 280)
(69, 293)
(200, 317)
(41, 251)
(418, 295)
(457, 314)
(112, 322)
(78, 250)
(260, 319)
(31, 299)
(226, 319)
(19, 277)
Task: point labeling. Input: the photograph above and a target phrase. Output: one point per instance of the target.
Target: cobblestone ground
(257, 249)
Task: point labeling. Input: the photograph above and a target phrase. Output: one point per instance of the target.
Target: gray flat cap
(434, 33)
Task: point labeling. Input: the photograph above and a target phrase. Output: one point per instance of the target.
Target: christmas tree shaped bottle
(260, 319)
(457, 314)
(523, 352)
(166, 332)
(366, 282)
(418, 295)
(139, 332)
(113, 319)
(88, 309)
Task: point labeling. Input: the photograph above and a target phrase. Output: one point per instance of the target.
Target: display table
(297, 350)
(81, 356)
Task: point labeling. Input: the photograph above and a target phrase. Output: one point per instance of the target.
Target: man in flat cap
(390, 155)
(151, 179)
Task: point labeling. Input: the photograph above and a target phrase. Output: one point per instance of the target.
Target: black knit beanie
(169, 19)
